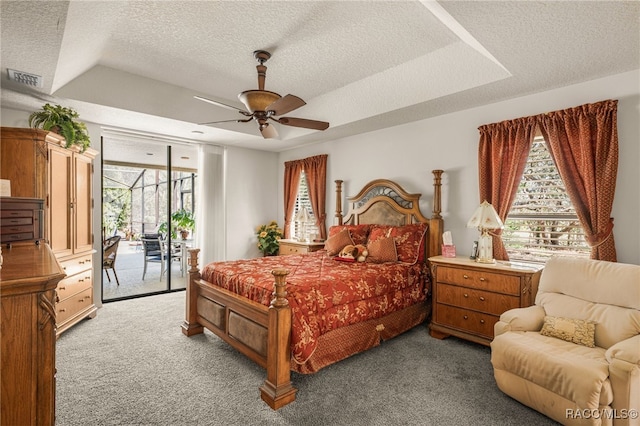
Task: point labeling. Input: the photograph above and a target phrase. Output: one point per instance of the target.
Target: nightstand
(298, 247)
(469, 297)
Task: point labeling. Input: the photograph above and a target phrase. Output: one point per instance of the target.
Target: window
(542, 221)
(302, 200)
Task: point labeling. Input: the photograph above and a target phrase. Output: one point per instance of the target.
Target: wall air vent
(25, 78)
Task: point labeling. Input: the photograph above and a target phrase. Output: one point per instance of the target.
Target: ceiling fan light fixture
(258, 100)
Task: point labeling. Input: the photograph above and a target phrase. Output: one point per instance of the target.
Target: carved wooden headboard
(383, 201)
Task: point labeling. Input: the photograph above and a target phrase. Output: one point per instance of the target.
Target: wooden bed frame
(263, 333)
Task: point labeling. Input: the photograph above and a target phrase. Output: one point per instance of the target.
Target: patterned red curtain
(584, 144)
(503, 152)
(292, 170)
(315, 168)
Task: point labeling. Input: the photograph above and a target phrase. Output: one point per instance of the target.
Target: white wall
(409, 152)
(251, 184)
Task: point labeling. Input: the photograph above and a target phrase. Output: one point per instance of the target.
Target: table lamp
(302, 217)
(485, 218)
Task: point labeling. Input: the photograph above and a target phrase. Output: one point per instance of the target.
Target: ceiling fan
(263, 105)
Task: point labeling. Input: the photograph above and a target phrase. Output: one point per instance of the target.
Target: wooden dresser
(39, 166)
(30, 273)
(469, 297)
(298, 247)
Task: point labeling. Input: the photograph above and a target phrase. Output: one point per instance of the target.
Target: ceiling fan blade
(303, 122)
(268, 131)
(220, 104)
(286, 104)
(226, 121)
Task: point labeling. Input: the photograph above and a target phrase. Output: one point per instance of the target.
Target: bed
(303, 312)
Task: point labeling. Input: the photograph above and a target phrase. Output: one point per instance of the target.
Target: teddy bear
(356, 252)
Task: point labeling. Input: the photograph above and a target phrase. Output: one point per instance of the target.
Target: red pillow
(382, 250)
(359, 233)
(409, 240)
(336, 242)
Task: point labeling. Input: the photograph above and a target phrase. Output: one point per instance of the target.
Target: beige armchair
(541, 355)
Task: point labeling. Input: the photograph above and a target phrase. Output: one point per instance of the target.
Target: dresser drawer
(478, 300)
(74, 284)
(21, 236)
(5, 214)
(73, 305)
(491, 281)
(466, 320)
(13, 221)
(77, 264)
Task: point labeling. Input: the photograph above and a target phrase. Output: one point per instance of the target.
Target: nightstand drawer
(483, 280)
(477, 300)
(290, 249)
(465, 320)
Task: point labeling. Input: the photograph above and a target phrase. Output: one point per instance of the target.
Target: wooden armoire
(39, 166)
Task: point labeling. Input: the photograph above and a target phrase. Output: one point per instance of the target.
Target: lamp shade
(302, 215)
(485, 217)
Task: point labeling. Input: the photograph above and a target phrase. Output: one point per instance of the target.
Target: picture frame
(474, 250)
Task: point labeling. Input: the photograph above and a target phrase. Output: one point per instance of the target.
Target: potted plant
(181, 221)
(64, 121)
(269, 238)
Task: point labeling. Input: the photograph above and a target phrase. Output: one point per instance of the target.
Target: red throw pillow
(382, 250)
(409, 240)
(359, 233)
(337, 242)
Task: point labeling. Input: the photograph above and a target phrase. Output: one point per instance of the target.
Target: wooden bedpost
(339, 201)
(277, 390)
(190, 325)
(436, 223)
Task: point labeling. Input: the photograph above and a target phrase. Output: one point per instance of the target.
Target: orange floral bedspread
(324, 294)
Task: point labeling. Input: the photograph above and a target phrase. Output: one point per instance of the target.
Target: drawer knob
(465, 276)
(481, 321)
(63, 288)
(62, 310)
(466, 295)
(465, 317)
(481, 298)
(482, 279)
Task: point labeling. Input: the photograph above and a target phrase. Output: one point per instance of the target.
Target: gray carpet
(131, 365)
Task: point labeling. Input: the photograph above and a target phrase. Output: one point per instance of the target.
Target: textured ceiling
(360, 65)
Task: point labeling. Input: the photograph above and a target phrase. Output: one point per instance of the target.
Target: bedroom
(408, 152)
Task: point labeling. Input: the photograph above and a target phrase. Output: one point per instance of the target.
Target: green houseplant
(64, 121)
(181, 221)
(269, 238)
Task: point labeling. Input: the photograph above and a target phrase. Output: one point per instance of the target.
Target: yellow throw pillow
(577, 331)
(337, 242)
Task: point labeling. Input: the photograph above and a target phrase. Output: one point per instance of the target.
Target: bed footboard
(259, 332)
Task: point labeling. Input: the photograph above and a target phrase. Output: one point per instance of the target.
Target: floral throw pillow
(359, 233)
(382, 250)
(572, 330)
(335, 243)
(409, 240)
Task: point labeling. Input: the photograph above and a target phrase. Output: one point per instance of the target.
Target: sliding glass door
(149, 205)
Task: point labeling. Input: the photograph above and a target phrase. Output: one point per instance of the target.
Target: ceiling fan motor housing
(258, 100)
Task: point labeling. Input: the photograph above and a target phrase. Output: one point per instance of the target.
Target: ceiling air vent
(25, 78)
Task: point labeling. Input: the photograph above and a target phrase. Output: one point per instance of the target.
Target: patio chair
(109, 253)
(155, 251)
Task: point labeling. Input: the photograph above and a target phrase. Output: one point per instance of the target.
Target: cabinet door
(58, 211)
(83, 205)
